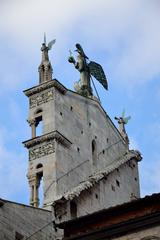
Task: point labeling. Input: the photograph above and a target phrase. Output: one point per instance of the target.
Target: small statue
(45, 49)
(122, 121)
(45, 68)
(83, 86)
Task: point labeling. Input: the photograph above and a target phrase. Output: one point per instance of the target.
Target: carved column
(32, 124)
(31, 184)
(34, 185)
(35, 195)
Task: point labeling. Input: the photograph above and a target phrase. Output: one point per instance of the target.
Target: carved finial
(45, 68)
(122, 121)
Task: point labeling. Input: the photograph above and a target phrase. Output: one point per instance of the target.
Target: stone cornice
(47, 137)
(98, 176)
(37, 89)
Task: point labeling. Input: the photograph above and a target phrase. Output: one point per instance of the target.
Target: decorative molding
(46, 85)
(46, 138)
(42, 150)
(41, 98)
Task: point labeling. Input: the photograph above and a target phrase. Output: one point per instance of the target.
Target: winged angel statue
(87, 70)
(45, 68)
(46, 48)
(122, 121)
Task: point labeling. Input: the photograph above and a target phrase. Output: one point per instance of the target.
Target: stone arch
(39, 165)
(38, 121)
(38, 111)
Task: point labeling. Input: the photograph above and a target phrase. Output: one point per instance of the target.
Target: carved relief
(42, 150)
(44, 86)
(39, 99)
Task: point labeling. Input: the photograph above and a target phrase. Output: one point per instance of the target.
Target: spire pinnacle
(44, 38)
(122, 121)
(45, 68)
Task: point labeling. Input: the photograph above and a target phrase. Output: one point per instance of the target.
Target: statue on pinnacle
(122, 121)
(45, 68)
(87, 70)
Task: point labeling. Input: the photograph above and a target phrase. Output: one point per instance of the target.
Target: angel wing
(80, 50)
(50, 44)
(96, 71)
(123, 113)
(126, 119)
(77, 86)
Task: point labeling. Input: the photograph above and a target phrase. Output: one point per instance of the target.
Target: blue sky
(123, 36)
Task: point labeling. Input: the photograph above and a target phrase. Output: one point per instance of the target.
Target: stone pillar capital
(31, 122)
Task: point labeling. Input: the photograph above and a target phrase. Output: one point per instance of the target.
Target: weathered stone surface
(21, 220)
(40, 151)
(82, 121)
(111, 189)
(41, 98)
(55, 135)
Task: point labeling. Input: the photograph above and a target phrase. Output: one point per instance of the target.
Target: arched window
(39, 177)
(39, 110)
(73, 209)
(94, 152)
(38, 122)
(39, 166)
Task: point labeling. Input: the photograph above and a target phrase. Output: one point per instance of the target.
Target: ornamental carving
(39, 99)
(44, 86)
(47, 138)
(42, 150)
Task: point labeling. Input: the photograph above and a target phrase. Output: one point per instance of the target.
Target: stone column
(35, 195)
(31, 184)
(32, 124)
(34, 185)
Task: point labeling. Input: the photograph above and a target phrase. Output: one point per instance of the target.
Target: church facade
(81, 160)
(85, 162)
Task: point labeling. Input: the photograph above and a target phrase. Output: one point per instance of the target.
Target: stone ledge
(37, 89)
(47, 137)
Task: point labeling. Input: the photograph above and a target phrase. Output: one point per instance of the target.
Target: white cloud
(123, 35)
(127, 31)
